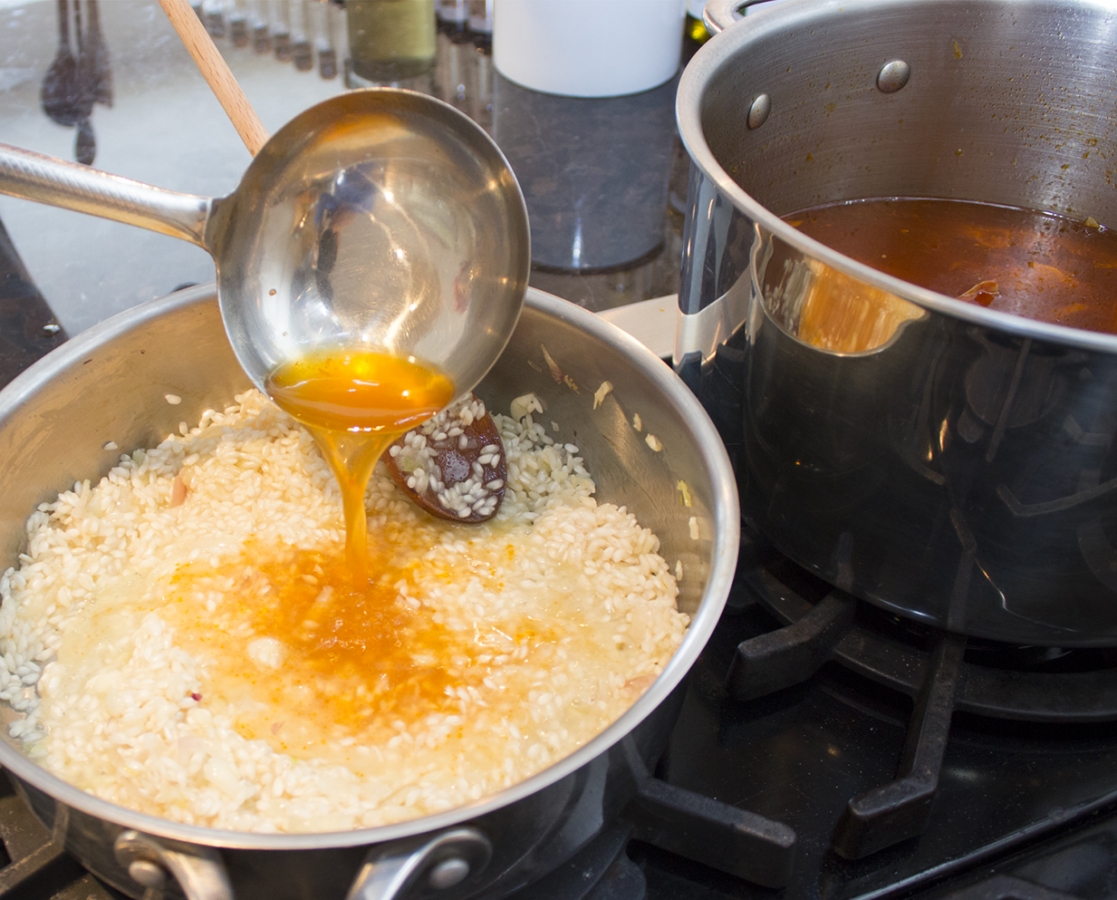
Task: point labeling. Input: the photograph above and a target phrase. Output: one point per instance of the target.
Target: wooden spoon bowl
(453, 466)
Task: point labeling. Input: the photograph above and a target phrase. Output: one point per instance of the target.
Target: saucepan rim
(771, 22)
(724, 507)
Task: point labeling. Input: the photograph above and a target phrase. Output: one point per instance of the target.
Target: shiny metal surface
(109, 384)
(443, 862)
(721, 14)
(199, 874)
(959, 468)
(56, 182)
(379, 218)
(893, 76)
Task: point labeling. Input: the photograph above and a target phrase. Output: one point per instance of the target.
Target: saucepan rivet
(147, 873)
(893, 76)
(448, 873)
(758, 111)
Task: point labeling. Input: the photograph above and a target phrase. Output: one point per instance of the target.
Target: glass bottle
(390, 40)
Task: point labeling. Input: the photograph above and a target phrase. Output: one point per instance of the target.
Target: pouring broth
(1022, 261)
(355, 403)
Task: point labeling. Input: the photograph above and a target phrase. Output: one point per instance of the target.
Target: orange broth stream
(355, 403)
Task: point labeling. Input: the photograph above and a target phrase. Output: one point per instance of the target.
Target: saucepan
(109, 385)
(958, 467)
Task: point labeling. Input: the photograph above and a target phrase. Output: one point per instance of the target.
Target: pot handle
(56, 182)
(198, 870)
(720, 14)
(442, 862)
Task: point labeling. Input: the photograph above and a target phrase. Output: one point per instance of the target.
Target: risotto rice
(141, 638)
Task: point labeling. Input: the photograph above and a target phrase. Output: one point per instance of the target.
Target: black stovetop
(1030, 801)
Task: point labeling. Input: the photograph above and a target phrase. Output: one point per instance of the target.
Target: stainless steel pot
(110, 383)
(959, 468)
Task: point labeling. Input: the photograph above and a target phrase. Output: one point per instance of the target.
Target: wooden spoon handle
(216, 73)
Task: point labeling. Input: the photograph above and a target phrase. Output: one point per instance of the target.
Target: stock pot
(958, 468)
(109, 385)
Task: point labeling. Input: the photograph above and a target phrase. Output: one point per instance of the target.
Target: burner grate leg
(713, 833)
(899, 810)
(707, 831)
(31, 848)
(777, 660)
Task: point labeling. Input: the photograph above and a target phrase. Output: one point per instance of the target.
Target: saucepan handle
(199, 871)
(56, 182)
(720, 14)
(441, 863)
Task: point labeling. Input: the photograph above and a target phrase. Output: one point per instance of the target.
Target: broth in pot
(1026, 262)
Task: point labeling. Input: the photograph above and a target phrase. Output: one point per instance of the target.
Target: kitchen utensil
(110, 383)
(99, 53)
(88, 83)
(216, 72)
(454, 465)
(468, 457)
(58, 95)
(380, 218)
(72, 85)
(962, 472)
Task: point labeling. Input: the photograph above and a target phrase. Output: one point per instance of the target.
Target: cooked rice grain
(116, 692)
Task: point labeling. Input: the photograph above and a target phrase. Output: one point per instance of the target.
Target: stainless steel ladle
(380, 218)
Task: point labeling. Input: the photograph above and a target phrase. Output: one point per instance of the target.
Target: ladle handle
(44, 179)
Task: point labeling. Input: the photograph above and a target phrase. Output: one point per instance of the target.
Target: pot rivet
(758, 111)
(147, 873)
(448, 873)
(893, 76)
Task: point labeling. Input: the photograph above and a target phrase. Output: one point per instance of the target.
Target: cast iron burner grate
(942, 672)
(33, 862)
(1027, 684)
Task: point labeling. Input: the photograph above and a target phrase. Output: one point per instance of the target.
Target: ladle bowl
(381, 218)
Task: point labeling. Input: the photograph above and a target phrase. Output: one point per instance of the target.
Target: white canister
(588, 48)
